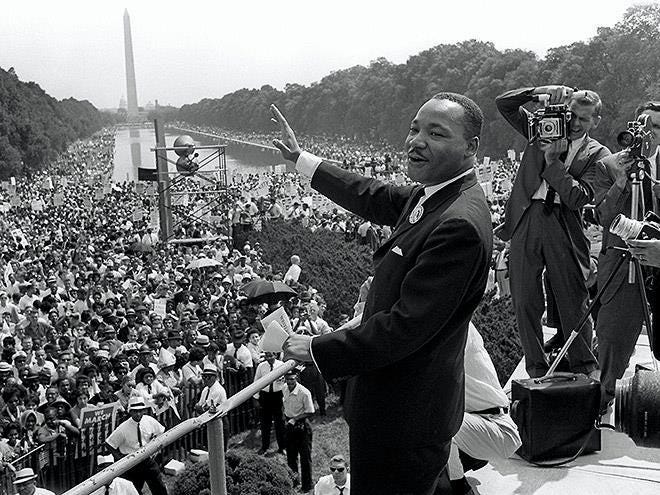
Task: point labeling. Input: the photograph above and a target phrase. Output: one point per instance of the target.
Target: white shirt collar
(431, 190)
(654, 157)
(578, 142)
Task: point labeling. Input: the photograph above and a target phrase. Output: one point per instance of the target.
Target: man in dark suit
(404, 361)
(543, 220)
(621, 315)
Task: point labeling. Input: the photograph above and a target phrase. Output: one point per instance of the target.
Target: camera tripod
(635, 274)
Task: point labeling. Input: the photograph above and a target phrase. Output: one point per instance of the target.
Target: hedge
(337, 268)
(330, 264)
(247, 474)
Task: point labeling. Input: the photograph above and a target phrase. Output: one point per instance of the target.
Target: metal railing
(213, 422)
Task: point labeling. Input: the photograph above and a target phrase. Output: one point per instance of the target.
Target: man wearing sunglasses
(338, 482)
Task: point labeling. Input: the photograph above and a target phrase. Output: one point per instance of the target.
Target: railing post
(216, 442)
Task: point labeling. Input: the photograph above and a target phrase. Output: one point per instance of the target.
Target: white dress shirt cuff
(307, 164)
(311, 353)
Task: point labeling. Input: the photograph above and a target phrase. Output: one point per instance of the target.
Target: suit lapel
(436, 201)
(581, 159)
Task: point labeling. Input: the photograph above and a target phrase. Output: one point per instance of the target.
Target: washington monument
(131, 90)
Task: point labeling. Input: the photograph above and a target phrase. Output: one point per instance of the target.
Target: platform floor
(620, 468)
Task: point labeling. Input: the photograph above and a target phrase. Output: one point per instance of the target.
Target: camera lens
(638, 408)
(625, 139)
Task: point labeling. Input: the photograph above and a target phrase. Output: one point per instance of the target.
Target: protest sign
(96, 423)
(160, 307)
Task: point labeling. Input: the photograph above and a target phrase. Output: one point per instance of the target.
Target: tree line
(35, 127)
(376, 103)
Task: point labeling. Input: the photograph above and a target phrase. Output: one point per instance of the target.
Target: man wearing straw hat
(213, 394)
(130, 436)
(25, 483)
(118, 486)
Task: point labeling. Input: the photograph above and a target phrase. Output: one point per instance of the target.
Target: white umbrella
(202, 263)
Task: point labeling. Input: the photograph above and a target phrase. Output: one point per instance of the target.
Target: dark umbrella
(265, 291)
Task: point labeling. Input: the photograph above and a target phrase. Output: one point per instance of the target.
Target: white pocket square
(397, 250)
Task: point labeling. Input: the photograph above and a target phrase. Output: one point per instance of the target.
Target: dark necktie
(107, 489)
(341, 489)
(149, 388)
(208, 392)
(139, 435)
(270, 387)
(647, 192)
(549, 201)
(235, 352)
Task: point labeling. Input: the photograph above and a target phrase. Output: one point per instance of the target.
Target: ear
(596, 122)
(472, 147)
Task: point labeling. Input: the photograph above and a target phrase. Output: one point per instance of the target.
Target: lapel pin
(416, 214)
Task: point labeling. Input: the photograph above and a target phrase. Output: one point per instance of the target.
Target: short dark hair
(649, 105)
(587, 97)
(473, 118)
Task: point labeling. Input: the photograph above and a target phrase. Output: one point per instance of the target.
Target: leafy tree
(376, 103)
(34, 127)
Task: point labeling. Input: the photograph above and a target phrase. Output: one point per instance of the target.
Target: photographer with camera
(622, 310)
(543, 216)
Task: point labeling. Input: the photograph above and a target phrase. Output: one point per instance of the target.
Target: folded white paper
(273, 338)
(280, 316)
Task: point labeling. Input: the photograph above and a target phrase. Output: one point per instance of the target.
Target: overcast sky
(188, 50)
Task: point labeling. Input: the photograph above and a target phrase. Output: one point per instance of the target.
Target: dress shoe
(554, 342)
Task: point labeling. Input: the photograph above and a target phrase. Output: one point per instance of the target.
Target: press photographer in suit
(404, 361)
(622, 310)
(543, 220)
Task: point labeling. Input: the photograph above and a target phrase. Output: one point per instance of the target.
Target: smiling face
(436, 145)
(583, 119)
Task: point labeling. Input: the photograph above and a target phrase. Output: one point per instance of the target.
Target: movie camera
(638, 137)
(550, 123)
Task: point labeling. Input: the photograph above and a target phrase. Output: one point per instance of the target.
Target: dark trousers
(311, 379)
(299, 443)
(378, 468)
(147, 471)
(271, 412)
(540, 242)
(619, 323)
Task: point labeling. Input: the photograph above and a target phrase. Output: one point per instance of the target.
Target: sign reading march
(96, 423)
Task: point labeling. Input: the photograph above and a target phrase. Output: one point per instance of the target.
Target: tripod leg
(647, 314)
(583, 318)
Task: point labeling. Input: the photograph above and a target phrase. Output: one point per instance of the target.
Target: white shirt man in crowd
(270, 402)
(133, 434)
(293, 273)
(25, 483)
(338, 482)
(298, 406)
(238, 350)
(213, 394)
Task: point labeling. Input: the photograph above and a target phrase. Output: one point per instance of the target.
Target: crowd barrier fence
(63, 464)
